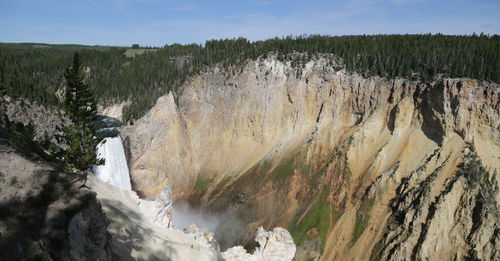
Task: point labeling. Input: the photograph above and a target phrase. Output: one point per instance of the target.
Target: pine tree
(79, 103)
(78, 138)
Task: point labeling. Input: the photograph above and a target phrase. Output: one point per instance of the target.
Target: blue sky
(159, 22)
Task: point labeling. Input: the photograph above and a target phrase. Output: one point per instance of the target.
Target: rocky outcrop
(114, 111)
(282, 135)
(43, 119)
(143, 229)
(44, 212)
(460, 223)
(276, 245)
(87, 234)
(163, 202)
(202, 236)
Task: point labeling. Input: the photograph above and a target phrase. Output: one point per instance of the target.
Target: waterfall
(115, 169)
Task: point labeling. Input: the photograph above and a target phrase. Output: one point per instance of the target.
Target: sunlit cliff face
(282, 146)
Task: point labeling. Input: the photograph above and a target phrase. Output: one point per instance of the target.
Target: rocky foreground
(47, 214)
(144, 230)
(44, 212)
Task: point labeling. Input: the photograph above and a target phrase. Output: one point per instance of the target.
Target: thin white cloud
(183, 8)
(94, 3)
(343, 14)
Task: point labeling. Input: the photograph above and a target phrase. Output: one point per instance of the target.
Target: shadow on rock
(130, 240)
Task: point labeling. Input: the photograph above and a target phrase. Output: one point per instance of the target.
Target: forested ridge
(34, 71)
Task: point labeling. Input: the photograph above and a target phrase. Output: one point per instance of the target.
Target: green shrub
(318, 218)
(202, 184)
(362, 217)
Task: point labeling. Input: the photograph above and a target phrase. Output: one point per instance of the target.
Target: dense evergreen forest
(35, 71)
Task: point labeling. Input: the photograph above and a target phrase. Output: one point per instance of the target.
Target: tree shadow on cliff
(30, 223)
(129, 237)
(24, 219)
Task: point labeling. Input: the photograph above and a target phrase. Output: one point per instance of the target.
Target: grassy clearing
(222, 183)
(336, 215)
(202, 184)
(318, 218)
(375, 255)
(137, 52)
(284, 170)
(255, 175)
(288, 166)
(40, 46)
(253, 178)
(362, 218)
(225, 180)
(303, 167)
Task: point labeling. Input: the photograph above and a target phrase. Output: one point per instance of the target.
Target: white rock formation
(276, 245)
(159, 211)
(135, 235)
(204, 237)
(114, 110)
(142, 229)
(115, 169)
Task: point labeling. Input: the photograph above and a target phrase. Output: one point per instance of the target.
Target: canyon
(356, 168)
(279, 160)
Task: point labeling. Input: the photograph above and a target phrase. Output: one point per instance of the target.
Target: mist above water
(184, 215)
(226, 226)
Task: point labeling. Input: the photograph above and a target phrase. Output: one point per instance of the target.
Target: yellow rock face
(282, 140)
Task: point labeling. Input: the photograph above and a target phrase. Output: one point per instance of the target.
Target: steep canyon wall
(341, 160)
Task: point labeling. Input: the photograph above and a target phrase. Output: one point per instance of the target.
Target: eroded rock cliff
(45, 214)
(334, 157)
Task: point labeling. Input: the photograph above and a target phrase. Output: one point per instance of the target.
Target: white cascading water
(115, 169)
(277, 244)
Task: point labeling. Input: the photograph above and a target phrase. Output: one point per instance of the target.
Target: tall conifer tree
(79, 102)
(78, 138)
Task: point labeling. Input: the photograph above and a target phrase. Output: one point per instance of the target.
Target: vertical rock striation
(283, 145)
